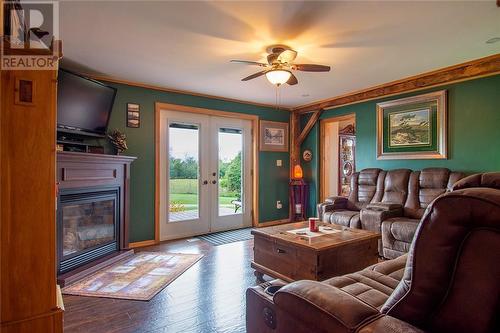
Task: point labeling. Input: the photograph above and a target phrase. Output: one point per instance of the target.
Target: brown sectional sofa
(448, 282)
(391, 202)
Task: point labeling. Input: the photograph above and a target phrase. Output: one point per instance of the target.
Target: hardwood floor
(209, 297)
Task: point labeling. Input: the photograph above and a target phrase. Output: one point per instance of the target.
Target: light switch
(279, 162)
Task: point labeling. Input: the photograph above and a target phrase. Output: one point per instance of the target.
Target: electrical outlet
(279, 163)
(278, 204)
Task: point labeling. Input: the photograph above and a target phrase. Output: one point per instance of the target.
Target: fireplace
(92, 212)
(88, 225)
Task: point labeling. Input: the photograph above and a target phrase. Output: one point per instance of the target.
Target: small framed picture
(273, 136)
(24, 92)
(133, 115)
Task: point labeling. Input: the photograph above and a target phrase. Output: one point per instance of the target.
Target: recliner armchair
(449, 284)
(365, 188)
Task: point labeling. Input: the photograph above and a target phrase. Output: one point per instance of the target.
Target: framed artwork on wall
(133, 115)
(413, 127)
(273, 136)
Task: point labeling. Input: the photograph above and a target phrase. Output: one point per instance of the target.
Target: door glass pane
(230, 171)
(183, 152)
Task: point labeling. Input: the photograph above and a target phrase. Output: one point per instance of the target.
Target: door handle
(278, 250)
(214, 182)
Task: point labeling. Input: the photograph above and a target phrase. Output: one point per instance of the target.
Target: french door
(205, 174)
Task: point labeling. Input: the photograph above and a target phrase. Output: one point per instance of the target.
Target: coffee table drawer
(275, 255)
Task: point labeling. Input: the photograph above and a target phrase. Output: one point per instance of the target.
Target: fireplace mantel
(84, 171)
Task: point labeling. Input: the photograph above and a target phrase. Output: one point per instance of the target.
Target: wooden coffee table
(287, 256)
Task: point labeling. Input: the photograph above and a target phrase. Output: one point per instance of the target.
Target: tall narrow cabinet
(30, 299)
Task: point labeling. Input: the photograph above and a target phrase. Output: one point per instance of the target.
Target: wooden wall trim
(272, 223)
(255, 154)
(144, 243)
(176, 91)
(457, 73)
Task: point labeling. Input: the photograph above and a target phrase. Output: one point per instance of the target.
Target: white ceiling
(188, 45)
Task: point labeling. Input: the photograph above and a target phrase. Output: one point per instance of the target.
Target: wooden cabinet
(347, 147)
(30, 300)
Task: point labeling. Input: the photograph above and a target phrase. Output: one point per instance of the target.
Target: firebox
(88, 225)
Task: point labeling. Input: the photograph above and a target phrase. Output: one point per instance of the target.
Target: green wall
(473, 133)
(273, 181)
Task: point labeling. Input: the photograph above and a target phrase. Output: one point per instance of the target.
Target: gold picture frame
(273, 136)
(413, 127)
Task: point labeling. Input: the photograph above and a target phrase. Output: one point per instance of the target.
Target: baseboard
(142, 244)
(274, 222)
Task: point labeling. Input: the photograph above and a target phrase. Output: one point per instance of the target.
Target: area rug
(226, 237)
(139, 277)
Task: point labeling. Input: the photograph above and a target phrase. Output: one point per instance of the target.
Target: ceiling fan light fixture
(278, 76)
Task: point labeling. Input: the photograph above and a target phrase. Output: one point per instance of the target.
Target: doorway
(205, 171)
(338, 142)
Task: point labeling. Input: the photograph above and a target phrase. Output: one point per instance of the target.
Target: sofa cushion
(363, 188)
(397, 236)
(346, 218)
(402, 228)
(374, 284)
(396, 186)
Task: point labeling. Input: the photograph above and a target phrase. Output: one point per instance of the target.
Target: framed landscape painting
(273, 136)
(413, 127)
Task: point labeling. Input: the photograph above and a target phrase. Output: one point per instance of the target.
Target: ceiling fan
(279, 66)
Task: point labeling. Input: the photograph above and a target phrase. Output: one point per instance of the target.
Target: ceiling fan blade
(272, 58)
(249, 63)
(311, 68)
(287, 56)
(292, 80)
(253, 76)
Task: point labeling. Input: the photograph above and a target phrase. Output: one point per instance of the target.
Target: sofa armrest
(331, 204)
(336, 200)
(373, 215)
(320, 308)
(383, 206)
(389, 324)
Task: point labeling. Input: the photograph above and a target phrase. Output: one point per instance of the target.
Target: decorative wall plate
(307, 155)
(347, 169)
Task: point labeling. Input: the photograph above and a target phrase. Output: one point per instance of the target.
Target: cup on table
(313, 224)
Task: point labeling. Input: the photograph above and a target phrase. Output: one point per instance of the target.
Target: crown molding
(474, 69)
(176, 91)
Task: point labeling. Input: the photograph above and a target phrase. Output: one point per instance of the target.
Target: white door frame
(254, 172)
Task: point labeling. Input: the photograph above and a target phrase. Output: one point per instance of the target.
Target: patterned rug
(225, 237)
(139, 277)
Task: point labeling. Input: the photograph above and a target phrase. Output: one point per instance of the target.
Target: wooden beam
(310, 124)
(466, 71)
(298, 138)
(294, 134)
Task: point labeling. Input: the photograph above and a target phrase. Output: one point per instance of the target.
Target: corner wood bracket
(298, 138)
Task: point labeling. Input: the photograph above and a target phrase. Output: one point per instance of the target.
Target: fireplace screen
(87, 227)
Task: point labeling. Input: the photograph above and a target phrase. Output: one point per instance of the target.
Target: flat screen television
(83, 105)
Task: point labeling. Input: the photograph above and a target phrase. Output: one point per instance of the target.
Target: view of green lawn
(184, 192)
